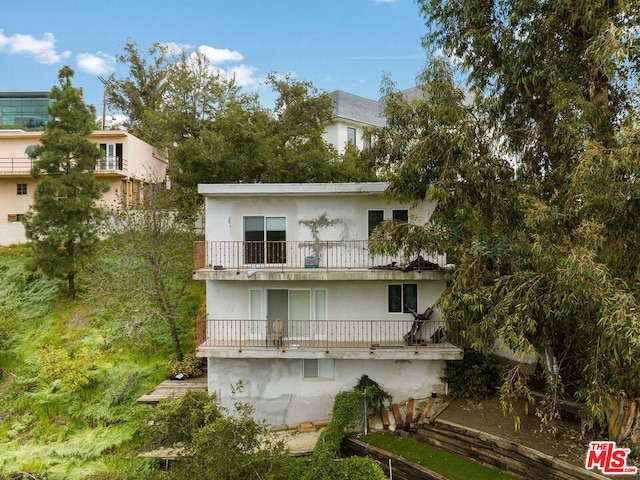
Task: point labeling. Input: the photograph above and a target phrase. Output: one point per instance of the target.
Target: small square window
(403, 298)
(401, 216)
(22, 188)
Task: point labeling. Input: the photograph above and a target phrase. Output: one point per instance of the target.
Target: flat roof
(256, 189)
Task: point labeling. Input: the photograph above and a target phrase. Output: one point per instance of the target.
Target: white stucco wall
(337, 217)
(281, 396)
(365, 300)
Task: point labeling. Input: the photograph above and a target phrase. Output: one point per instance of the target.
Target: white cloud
(173, 48)
(219, 56)
(95, 64)
(245, 76)
(386, 1)
(43, 50)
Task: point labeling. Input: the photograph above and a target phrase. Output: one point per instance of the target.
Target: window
(265, 239)
(375, 218)
(317, 368)
(400, 216)
(22, 188)
(403, 297)
(351, 135)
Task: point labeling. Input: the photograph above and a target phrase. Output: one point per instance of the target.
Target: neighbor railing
(19, 166)
(327, 254)
(326, 335)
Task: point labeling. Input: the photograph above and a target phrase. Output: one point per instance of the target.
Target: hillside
(70, 374)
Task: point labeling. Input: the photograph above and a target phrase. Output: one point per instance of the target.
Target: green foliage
(57, 365)
(376, 396)
(476, 376)
(347, 409)
(190, 367)
(177, 420)
(60, 221)
(141, 272)
(534, 172)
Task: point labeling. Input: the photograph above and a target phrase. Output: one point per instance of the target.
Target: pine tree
(60, 222)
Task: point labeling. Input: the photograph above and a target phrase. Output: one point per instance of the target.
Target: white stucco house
(297, 307)
(351, 115)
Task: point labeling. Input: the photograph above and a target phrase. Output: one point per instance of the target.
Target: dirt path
(568, 445)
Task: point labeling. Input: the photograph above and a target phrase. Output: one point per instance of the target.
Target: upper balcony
(308, 260)
(17, 166)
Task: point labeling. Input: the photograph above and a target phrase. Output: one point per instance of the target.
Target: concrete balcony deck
(309, 260)
(352, 339)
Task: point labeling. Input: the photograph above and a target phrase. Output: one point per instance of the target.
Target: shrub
(189, 366)
(477, 376)
(377, 397)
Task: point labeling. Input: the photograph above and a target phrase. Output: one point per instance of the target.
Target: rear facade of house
(299, 309)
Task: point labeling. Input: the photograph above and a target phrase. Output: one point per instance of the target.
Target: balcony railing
(287, 255)
(327, 335)
(24, 166)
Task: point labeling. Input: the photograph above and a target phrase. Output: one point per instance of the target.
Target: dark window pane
(395, 298)
(375, 218)
(401, 215)
(410, 297)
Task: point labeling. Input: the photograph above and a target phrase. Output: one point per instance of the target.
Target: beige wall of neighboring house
(128, 163)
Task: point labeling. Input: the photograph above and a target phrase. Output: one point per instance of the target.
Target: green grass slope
(68, 387)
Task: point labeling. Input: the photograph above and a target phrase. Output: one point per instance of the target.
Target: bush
(189, 367)
(377, 397)
(477, 376)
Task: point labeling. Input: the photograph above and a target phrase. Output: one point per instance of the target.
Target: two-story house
(128, 162)
(351, 115)
(297, 306)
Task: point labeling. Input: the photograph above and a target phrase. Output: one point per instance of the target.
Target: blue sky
(336, 44)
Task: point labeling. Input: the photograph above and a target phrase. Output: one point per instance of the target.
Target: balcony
(354, 339)
(300, 260)
(24, 166)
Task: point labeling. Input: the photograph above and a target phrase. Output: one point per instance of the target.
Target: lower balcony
(357, 339)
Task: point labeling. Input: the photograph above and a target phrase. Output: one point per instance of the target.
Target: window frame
(404, 293)
(265, 251)
(352, 136)
(321, 373)
(21, 189)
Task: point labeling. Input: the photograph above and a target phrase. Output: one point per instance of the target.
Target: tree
(536, 188)
(143, 268)
(61, 221)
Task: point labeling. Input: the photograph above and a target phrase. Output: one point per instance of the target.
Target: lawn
(445, 463)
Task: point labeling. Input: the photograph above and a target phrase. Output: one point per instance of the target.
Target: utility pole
(104, 102)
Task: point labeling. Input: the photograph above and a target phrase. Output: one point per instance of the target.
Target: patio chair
(275, 337)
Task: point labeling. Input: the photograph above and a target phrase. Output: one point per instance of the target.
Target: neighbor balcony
(383, 339)
(17, 166)
(225, 260)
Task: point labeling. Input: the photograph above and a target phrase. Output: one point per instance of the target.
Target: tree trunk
(623, 418)
(175, 338)
(72, 286)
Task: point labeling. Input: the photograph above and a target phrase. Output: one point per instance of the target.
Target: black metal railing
(326, 335)
(286, 255)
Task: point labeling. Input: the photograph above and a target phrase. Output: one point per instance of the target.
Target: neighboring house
(351, 114)
(128, 162)
(297, 307)
(24, 110)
